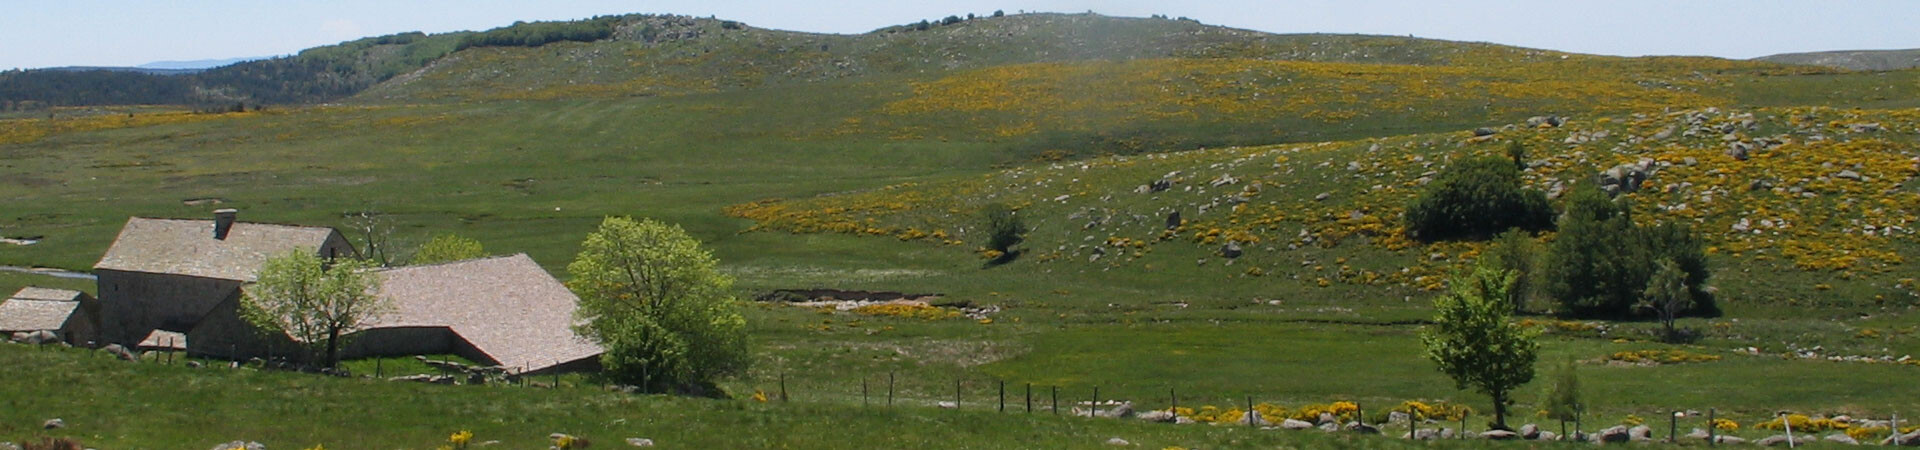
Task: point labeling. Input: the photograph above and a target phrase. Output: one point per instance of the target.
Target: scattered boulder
(639, 442)
(1253, 418)
(1617, 433)
(120, 352)
(1739, 150)
(948, 405)
(1158, 416)
(1841, 438)
(241, 445)
(39, 337)
(1546, 436)
(1500, 435)
(1231, 250)
(1736, 440)
(1423, 434)
(1362, 428)
(1123, 410)
(1160, 185)
(1848, 175)
(1640, 433)
(1323, 196)
(1398, 417)
(1483, 131)
(1906, 440)
(53, 423)
(1779, 440)
(1545, 121)
(1173, 220)
(1529, 431)
(1295, 424)
(195, 364)
(1698, 434)
(1329, 427)
(1327, 418)
(1626, 177)
(1118, 442)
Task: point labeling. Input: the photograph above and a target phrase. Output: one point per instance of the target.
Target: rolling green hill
(859, 161)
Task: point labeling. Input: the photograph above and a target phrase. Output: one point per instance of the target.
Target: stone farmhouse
(177, 284)
(166, 274)
(72, 316)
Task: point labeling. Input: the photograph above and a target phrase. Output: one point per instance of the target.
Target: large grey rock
(1157, 416)
(1483, 131)
(1736, 440)
(1500, 435)
(1122, 410)
(1841, 438)
(1641, 433)
(1423, 434)
(1362, 428)
(53, 423)
(1330, 427)
(1293, 424)
(1253, 418)
(639, 442)
(120, 352)
(1325, 418)
(1698, 434)
(1546, 436)
(1118, 442)
(1618, 433)
(1529, 431)
(241, 445)
(1231, 250)
(38, 337)
(1398, 417)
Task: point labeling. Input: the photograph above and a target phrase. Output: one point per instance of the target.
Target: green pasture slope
(530, 159)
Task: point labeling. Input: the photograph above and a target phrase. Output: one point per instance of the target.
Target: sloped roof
(507, 307)
(163, 339)
(187, 247)
(38, 309)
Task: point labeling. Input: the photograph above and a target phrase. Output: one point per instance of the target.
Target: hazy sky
(124, 33)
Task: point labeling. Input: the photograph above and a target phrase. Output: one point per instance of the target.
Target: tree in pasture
(1472, 341)
(657, 302)
(448, 247)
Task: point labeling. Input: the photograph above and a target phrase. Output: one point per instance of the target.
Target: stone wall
(133, 304)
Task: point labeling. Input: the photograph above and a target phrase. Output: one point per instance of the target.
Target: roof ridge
(463, 261)
(268, 224)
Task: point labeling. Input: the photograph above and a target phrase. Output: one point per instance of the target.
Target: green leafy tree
(1601, 262)
(655, 300)
(448, 247)
(1476, 198)
(1517, 253)
(1472, 341)
(1563, 401)
(1667, 294)
(313, 300)
(1004, 228)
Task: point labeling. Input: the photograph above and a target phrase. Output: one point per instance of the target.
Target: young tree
(1563, 400)
(1472, 341)
(1667, 294)
(1602, 262)
(1004, 229)
(313, 300)
(378, 244)
(658, 304)
(448, 247)
(1514, 251)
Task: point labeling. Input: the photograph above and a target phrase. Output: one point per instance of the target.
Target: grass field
(819, 181)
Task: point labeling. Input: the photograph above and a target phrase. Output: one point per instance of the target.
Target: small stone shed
(71, 315)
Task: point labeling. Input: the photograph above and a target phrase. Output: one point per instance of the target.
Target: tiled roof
(38, 309)
(187, 247)
(507, 307)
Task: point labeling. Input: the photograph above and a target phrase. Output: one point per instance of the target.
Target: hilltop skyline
(138, 33)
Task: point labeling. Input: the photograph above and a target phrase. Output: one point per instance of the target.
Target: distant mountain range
(1852, 59)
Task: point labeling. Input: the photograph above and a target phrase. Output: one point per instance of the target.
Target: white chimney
(223, 222)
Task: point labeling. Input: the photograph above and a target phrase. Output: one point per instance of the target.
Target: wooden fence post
(1712, 431)
(1250, 414)
(956, 393)
(1174, 398)
(1029, 398)
(1673, 427)
(1056, 400)
(1003, 395)
(889, 389)
(863, 392)
(1095, 405)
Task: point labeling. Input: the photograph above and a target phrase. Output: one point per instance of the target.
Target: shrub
(1004, 228)
(1474, 199)
(658, 303)
(1601, 262)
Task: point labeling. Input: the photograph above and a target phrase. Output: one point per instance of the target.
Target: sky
(132, 32)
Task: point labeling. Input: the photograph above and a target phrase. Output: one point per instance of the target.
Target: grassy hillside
(859, 162)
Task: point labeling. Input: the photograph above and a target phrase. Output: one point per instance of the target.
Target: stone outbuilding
(502, 311)
(70, 315)
(168, 274)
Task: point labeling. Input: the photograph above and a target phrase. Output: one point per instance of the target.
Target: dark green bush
(1474, 199)
(1601, 262)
